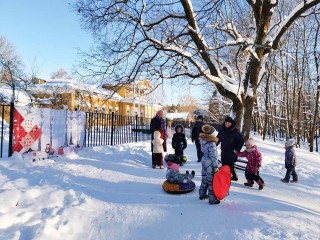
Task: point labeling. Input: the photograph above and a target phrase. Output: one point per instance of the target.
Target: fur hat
(200, 117)
(207, 129)
(289, 143)
(173, 166)
(250, 141)
(228, 119)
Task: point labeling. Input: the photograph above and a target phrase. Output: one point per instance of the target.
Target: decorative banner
(37, 129)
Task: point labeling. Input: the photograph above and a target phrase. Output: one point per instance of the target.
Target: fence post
(112, 127)
(2, 117)
(85, 131)
(11, 128)
(136, 127)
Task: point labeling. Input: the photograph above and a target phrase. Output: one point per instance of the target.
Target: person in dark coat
(196, 130)
(158, 124)
(179, 143)
(231, 143)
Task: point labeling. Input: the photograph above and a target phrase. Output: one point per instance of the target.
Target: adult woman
(158, 124)
(231, 143)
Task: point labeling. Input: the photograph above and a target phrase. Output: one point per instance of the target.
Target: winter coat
(157, 143)
(196, 130)
(209, 160)
(290, 157)
(179, 141)
(254, 159)
(177, 177)
(158, 123)
(231, 139)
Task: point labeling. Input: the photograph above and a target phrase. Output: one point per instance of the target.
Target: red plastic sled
(221, 182)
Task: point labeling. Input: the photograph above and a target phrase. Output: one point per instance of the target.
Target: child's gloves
(216, 170)
(193, 173)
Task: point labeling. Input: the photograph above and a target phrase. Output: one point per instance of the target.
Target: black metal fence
(111, 129)
(4, 130)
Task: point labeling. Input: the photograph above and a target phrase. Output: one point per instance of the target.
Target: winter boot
(248, 183)
(214, 202)
(284, 181)
(234, 178)
(294, 181)
(203, 197)
(193, 173)
(261, 184)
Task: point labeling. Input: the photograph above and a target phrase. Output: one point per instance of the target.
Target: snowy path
(112, 193)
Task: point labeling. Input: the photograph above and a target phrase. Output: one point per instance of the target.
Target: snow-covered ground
(112, 193)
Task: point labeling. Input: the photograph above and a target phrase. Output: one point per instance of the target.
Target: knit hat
(290, 143)
(250, 141)
(173, 166)
(207, 129)
(228, 119)
(200, 117)
(157, 134)
(159, 112)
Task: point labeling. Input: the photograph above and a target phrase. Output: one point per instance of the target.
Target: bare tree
(317, 95)
(61, 73)
(163, 40)
(10, 65)
(10, 74)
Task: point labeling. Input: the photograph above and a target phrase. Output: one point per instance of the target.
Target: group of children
(179, 143)
(208, 140)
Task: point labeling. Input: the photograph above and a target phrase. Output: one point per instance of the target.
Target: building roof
(21, 97)
(181, 115)
(71, 85)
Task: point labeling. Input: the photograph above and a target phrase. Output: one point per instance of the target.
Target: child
(179, 143)
(174, 176)
(157, 150)
(254, 163)
(208, 139)
(290, 162)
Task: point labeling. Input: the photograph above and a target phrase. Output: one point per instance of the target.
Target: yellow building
(126, 100)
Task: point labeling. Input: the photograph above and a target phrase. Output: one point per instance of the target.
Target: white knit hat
(290, 143)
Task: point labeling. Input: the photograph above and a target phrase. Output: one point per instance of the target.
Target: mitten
(216, 170)
(193, 173)
(187, 172)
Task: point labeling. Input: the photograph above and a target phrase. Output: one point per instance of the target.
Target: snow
(112, 192)
(67, 85)
(176, 115)
(288, 18)
(21, 97)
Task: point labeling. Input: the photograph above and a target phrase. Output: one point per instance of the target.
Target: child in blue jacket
(208, 139)
(290, 162)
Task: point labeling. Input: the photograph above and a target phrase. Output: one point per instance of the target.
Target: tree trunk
(316, 111)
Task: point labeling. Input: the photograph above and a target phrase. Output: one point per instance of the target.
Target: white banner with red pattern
(35, 129)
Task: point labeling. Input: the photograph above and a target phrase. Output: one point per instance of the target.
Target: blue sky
(46, 35)
(47, 31)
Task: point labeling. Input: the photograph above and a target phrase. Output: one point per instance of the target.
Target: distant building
(67, 93)
(175, 118)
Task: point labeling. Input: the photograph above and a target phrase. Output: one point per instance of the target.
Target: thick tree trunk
(247, 117)
(237, 108)
(316, 111)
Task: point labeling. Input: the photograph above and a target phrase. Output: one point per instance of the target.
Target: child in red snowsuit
(254, 163)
